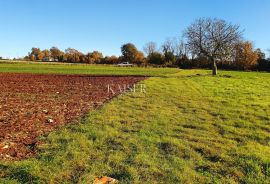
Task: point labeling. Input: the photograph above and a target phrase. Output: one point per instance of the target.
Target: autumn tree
(40, 56)
(35, 54)
(73, 55)
(88, 58)
(140, 59)
(212, 38)
(56, 54)
(46, 53)
(94, 57)
(131, 54)
(110, 60)
(82, 58)
(245, 56)
(32, 57)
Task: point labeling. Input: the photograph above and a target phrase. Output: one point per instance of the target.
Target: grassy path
(186, 128)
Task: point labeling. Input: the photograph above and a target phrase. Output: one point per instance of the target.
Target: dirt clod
(105, 180)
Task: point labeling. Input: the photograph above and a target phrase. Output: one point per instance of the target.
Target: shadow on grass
(122, 176)
(19, 174)
(198, 75)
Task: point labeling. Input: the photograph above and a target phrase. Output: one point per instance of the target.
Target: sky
(105, 25)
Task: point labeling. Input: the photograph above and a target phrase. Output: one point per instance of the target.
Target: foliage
(263, 65)
(94, 57)
(261, 55)
(110, 60)
(73, 55)
(35, 54)
(245, 57)
(170, 59)
(156, 58)
(131, 54)
(46, 54)
(56, 54)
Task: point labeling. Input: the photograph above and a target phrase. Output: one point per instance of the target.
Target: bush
(156, 58)
(263, 65)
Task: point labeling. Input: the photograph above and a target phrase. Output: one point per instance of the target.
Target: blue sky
(105, 25)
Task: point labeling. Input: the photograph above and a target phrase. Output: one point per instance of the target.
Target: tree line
(206, 43)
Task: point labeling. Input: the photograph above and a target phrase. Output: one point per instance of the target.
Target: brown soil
(32, 105)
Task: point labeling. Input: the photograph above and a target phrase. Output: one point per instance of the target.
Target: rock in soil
(5, 147)
(50, 120)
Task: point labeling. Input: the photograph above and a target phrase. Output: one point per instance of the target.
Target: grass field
(189, 127)
(56, 68)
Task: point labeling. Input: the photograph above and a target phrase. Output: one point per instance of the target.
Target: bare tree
(180, 48)
(150, 48)
(212, 38)
(168, 46)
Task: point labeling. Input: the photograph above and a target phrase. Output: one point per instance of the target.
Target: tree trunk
(214, 67)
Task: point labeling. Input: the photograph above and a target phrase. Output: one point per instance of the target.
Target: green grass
(187, 128)
(50, 68)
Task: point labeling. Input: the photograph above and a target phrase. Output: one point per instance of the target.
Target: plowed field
(32, 105)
